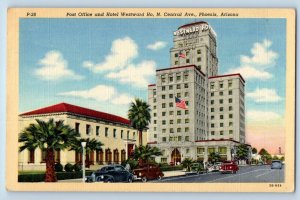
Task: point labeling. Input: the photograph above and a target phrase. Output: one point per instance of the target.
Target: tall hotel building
(214, 120)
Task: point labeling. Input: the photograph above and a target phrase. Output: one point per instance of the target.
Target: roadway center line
(264, 174)
(236, 175)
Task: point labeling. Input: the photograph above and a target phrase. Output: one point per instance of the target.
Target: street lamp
(83, 144)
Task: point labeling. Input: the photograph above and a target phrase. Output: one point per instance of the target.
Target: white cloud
(137, 75)
(54, 67)
(263, 116)
(264, 95)
(249, 72)
(254, 66)
(122, 52)
(157, 45)
(101, 93)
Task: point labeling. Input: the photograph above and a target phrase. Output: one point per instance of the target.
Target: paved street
(246, 174)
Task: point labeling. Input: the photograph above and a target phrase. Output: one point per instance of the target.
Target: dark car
(111, 173)
(229, 166)
(148, 172)
(276, 164)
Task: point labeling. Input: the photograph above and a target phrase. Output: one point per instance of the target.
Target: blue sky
(78, 50)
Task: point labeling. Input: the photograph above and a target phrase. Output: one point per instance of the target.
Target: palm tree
(144, 154)
(91, 145)
(139, 115)
(48, 136)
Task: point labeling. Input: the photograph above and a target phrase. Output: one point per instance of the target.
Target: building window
(171, 121)
(154, 107)
(179, 138)
(230, 107)
(178, 130)
(186, 121)
(230, 116)
(154, 121)
(221, 132)
(187, 151)
(212, 102)
(221, 124)
(154, 114)
(178, 95)
(154, 128)
(186, 112)
(163, 113)
(230, 92)
(186, 85)
(187, 138)
(178, 77)
(57, 156)
(230, 131)
(186, 94)
(121, 134)
(186, 129)
(154, 92)
(134, 135)
(170, 96)
(212, 110)
(212, 117)
(88, 129)
(178, 121)
(171, 105)
(106, 131)
(155, 135)
(187, 103)
(163, 105)
(163, 88)
(229, 83)
(176, 62)
(170, 78)
(163, 96)
(178, 112)
(221, 101)
(221, 109)
(171, 112)
(198, 51)
(170, 87)
(171, 130)
(186, 76)
(212, 125)
(221, 117)
(154, 100)
(163, 122)
(43, 156)
(198, 59)
(212, 86)
(221, 84)
(212, 132)
(97, 130)
(31, 156)
(200, 150)
(230, 100)
(164, 130)
(115, 133)
(176, 55)
(221, 93)
(187, 60)
(230, 123)
(178, 86)
(77, 125)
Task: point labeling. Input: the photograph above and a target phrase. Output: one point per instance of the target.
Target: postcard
(151, 99)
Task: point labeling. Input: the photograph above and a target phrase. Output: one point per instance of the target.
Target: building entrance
(175, 156)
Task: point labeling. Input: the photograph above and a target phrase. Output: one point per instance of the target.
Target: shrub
(77, 167)
(68, 167)
(171, 168)
(58, 167)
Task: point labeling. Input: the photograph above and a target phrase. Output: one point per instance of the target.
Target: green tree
(254, 151)
(139, 115)
(144, 154)
(282, 158)
(242, 152)
(91, 145)
(186, 163)
(48, 136)
(265, 156)
(263, 152)
(214, 157)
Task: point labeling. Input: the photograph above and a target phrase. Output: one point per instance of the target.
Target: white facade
(214, 120)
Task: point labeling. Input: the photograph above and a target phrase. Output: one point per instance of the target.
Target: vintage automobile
(196, 168)
(111, 173)
(148, 172)
(229, 167)
(276, 164)
(213, 168)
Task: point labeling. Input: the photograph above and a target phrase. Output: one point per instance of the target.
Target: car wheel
(144, 179)
(109, 180)
(129, 179)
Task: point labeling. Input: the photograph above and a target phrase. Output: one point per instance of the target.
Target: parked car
(148, 172)
(276, 164)
(213, 168)
(229, 166)
(111, 173)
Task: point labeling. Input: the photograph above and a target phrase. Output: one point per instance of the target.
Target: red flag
(180, 103)
(181, 55)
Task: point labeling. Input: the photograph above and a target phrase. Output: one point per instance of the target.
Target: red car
(148, 172)
(229, 166)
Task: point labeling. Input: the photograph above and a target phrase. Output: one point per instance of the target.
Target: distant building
(214, 120)
(115, 132)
